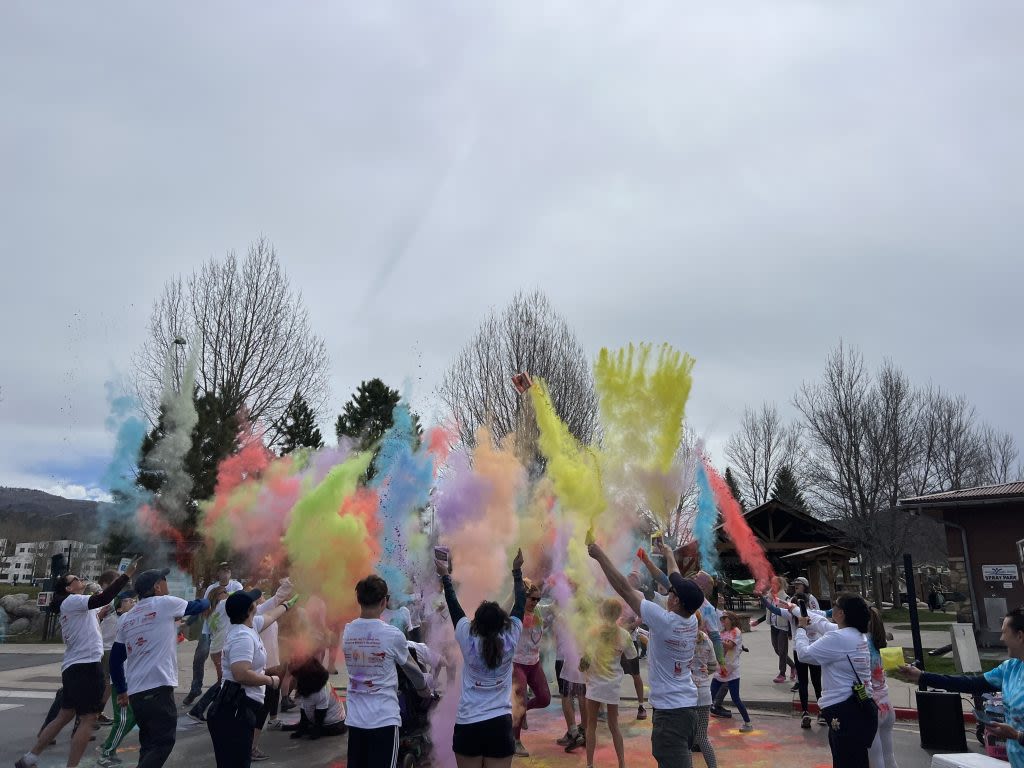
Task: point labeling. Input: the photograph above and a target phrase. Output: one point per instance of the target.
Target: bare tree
(256, 347)
(763, 445)
(998, 456)
(959, 457)
(528, 335)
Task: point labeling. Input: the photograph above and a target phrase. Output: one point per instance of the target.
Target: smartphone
(803, 607)
(984, 717)
(443, 554)
(656, 540)
(522, 382)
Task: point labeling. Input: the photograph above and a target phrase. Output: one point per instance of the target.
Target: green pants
(124, 721)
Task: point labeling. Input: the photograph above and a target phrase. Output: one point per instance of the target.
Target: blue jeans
(199, 664)
(734, 693)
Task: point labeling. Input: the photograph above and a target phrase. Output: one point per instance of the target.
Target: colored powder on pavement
(736, 528)
(705, 522)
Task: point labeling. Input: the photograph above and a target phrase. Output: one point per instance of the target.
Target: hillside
(29, 515)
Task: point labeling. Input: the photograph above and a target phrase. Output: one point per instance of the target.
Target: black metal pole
(915, 624)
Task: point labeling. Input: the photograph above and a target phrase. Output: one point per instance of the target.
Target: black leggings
(801, 677)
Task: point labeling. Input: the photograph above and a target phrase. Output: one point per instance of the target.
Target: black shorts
(373, 747)
(83, 688)
(630, 666)
(488, 738)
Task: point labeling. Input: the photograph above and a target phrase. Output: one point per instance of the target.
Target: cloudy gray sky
(751, 184)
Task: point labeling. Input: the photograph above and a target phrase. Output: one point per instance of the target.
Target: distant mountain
(28, 515)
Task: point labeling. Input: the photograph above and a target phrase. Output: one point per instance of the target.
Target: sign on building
(1005, 573)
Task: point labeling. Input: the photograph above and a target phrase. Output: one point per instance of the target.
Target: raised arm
(670, 558)
(617, 581)
(655, 571)
(454, 609)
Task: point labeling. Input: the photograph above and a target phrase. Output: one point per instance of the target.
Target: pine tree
(368, 414)
(298, 428)
(734, 487)
(787, 490)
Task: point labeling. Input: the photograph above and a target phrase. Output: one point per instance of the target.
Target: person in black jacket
(81, 673)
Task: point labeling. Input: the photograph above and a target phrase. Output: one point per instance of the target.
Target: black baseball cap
(146, 581)
(238, 604)
(690, 595)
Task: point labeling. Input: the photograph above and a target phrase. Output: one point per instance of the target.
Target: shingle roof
(969, 494)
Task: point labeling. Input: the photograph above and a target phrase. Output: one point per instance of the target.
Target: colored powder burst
(736, 527)
(331, 538)
(482, 527)
(704, 523)
(642, 405)
(129, 429)
(405, 475)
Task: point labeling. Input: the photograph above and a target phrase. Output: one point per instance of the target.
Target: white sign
(43, 599)
(999, 573)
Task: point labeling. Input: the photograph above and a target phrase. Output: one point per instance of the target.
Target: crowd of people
(121, 643)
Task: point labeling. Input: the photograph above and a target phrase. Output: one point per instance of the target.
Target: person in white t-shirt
(398, 617)
(203, 646)
(483, 723)
(81, 672)
(728, 676)
(528, 676)
(235, 713)
(144, 663)
(321, 712)
(703, 666)
(373, 652)
(673, 635)
(607, 644)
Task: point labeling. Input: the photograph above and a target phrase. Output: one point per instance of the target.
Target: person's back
(669, 652)
(484, 689)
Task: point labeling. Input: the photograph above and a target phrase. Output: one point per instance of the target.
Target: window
(21, 549)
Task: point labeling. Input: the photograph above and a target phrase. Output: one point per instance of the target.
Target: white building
(28, 562)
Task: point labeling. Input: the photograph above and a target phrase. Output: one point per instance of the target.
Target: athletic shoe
(20, 763)
(189, 700)
(792, 674)
(779, 679)
(521, 750)
(805, 721)
(641, 713)
(287, 704)
(274, 725)
(256, 755)
(720, 712)
(565, 740)
(746, 728)
(199, 718)
(102, 719)
(795, 688)
(579, 740)
(109, 762)
(821, 719)
(602, 716)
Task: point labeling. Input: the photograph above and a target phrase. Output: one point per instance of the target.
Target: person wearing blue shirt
(1008, 677)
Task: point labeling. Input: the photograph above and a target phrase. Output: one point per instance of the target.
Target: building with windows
(28, 562)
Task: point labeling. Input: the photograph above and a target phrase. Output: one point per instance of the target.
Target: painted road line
(27, 694)
(5, 707)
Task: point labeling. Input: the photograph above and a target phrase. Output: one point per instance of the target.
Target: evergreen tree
(214, 438)
(734, 488)
(368, 414)
(298, 429)
(787, 490)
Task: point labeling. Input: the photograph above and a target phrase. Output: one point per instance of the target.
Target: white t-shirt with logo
(372, 651)
(108, 629)
(327, 699)
(150, 637)
(733, 656)
(400, 618)
(669, 653)
(243, 643)
(232, 586)
(486, 692)
(83, 642)
(534, 626)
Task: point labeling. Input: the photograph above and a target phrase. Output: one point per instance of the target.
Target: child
(321, 712)
(703, 666)
(733, 643)
(609, 643)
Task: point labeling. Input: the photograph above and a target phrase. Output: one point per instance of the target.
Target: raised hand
(517, 562)
(132, 567)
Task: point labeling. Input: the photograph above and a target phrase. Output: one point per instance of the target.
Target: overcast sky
(751, 184)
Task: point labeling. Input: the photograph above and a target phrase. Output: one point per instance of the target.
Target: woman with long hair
(528, 676)
(483, 736)
(608, 643)
(882, 754)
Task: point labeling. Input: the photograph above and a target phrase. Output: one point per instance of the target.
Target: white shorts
(604, 691)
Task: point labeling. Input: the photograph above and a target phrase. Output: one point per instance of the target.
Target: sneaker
(102, 719)
(287, 704)
(198, 717)
(792, 674)
(821, 719)
(20, 763)
(256, 755)
(111, 761)
(795, 688)
(720, 712)
(274, 725)
(521, 750)
(746, 727)
(602, 716)
(565, 740)
(189, 700)
(641, 713)
(579, 740)
(805, 721)
(779, 679)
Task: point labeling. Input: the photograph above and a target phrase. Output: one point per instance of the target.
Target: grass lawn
(902, 616)
(19, 589)
(943, 665)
